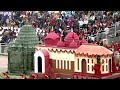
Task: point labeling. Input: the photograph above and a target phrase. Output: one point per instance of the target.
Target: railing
(3, 48)
(111, 35)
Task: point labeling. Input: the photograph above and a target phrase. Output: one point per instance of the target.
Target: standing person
(101, 42)
(14, 34)
(34, 24)
(70, 24)
(7, 21)
(64, 34)
(53, 22)
(85, 23)
(43, 34)
(80, 23)
(39, 34)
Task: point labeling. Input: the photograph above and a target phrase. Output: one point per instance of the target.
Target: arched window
(58, 64)
(64, 64)
(92, 68)
(61, 64)
(106, 67)
(78, 63)
(88, 67)
(88, 60)
(103, 68)
(102, 60)
(92, 61)
(67, 64)
(106, 61)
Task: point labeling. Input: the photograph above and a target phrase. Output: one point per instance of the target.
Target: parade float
(73, 58)
(70, 58)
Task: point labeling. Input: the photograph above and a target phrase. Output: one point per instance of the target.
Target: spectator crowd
(62, 22)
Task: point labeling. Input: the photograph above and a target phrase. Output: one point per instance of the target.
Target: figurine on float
(97, 67)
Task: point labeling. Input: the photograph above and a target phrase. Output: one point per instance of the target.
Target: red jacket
(70, 23)
(53, 22)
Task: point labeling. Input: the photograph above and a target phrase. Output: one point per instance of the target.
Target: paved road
(3, 63)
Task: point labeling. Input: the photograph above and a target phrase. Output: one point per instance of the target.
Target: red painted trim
(91, 75)
(51, 46)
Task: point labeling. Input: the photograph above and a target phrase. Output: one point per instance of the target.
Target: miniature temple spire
(60, 38)
(52, 30)
(71, 29)
(26, 18)
(83, 35)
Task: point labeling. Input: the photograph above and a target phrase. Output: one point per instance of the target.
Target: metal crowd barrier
(110, 34)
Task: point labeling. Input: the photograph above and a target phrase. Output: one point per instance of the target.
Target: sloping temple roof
(93, 50)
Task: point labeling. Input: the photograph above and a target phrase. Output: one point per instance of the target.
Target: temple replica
(20, 53)
(73, 58)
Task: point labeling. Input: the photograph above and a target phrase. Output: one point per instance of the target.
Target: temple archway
(39, 62)
(83, 66)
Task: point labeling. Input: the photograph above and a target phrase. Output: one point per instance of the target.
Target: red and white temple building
(73, 58)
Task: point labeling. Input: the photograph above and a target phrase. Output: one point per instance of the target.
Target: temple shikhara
(56, 58)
